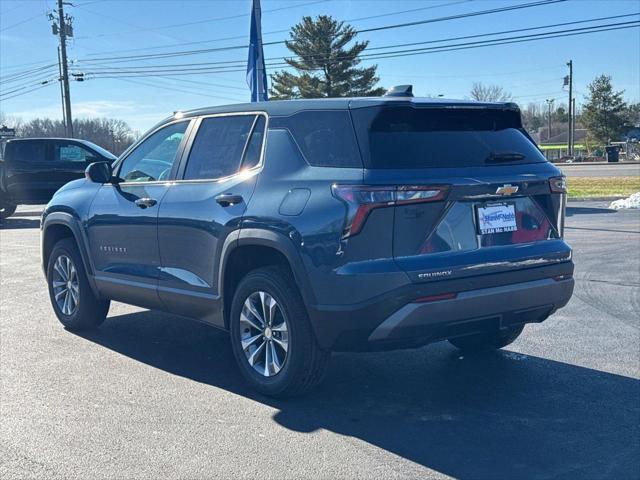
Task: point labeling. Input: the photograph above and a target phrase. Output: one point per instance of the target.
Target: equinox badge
(507, 190)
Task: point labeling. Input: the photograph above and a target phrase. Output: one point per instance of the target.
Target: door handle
(146, 202)
(228, 199)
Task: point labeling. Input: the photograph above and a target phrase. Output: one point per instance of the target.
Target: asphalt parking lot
(151, 395)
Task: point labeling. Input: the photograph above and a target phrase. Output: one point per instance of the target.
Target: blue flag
(256, 74)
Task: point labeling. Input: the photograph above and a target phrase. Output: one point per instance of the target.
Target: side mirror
(99, 172)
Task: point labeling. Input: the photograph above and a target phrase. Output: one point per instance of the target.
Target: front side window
(153, 159)
(218, 147)
(70, 152)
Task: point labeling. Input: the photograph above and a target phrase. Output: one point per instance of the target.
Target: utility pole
(550, 104)
(571, 112)
(64, 29)
(64, 115)
(573, 126)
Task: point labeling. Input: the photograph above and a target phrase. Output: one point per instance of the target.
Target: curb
(594, 199)
(585, 164)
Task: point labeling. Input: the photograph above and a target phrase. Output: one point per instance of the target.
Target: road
(601, 170)
(151, 395)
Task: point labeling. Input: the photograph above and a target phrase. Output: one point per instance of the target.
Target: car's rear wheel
(6, 210)
(484, 341)
(271, 335)
(71, 296)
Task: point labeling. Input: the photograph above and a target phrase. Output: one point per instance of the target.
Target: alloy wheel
(264, 334)
(66, 285)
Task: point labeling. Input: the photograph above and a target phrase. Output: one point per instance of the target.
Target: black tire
(305, 363)
(486, 341)
(6, 210)
(89, 311)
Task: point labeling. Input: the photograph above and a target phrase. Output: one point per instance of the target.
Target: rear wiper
(495, 157)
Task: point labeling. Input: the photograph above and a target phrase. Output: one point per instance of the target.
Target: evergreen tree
(326, 66)
(605, 112)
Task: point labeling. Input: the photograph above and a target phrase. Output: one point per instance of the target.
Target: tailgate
(489, 221)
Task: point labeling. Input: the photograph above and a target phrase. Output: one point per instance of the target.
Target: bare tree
(9, 120)
(112, 134)
(489, 93)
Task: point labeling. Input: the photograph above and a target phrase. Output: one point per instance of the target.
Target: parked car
(32, 169)
(310, 226)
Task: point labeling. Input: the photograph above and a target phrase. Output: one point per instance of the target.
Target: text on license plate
(497, 218)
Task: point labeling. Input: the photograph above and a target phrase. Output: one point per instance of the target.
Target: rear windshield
(408, 137)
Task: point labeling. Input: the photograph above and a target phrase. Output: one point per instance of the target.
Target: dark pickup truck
(32, 169)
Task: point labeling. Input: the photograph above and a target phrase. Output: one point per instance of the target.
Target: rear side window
(254, 147)
(30, 152)
(325, 137)
(407, 137)
(218, 147)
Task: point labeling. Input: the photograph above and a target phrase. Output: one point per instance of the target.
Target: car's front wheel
(71, 296)
(484, 341)
(271, 335)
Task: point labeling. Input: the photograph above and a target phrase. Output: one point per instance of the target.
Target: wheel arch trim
(73, 224)
(275, 240)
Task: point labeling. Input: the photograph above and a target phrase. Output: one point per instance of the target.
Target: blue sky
(531, 71)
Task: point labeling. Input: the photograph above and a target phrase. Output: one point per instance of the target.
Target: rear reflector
(435, 298)
(361, 199)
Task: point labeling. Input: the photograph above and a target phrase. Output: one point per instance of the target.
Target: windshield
(408, 137)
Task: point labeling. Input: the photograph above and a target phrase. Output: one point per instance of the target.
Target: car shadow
(499, 415)
(588, 210)
(12, 223)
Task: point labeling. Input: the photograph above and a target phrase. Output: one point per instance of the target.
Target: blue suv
(309, 226)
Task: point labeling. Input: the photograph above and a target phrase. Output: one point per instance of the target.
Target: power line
(22, 22)
(212, 40)
(240, 62)
(168, 88)
(28, 91)
(384, 27)
(21, 75)
(29, 85)
(194, 82)
(199, 22)
(228, 66)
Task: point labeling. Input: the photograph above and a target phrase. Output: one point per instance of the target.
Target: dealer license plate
(497, 218)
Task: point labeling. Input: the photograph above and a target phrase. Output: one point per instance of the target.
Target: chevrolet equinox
(309, 226)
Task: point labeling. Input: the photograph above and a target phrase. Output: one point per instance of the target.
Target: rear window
(407, 137)
(325, 137)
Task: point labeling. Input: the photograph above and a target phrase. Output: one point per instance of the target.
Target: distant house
(563, 138)
(558, 145)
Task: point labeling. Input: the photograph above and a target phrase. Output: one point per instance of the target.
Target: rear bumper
(397, 321)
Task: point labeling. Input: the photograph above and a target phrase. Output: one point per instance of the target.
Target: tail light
(362, 199)
(558, 184)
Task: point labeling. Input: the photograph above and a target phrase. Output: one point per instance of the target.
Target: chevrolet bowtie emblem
(507, 190)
